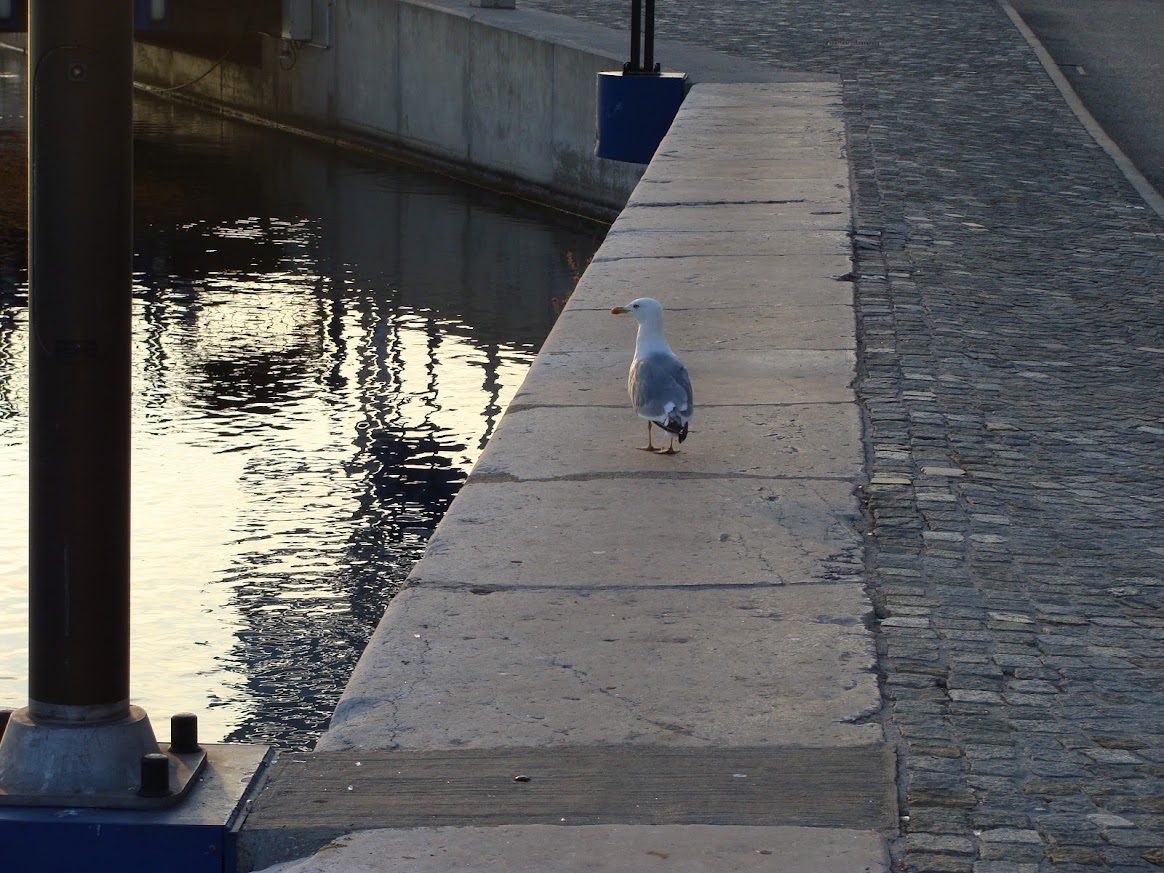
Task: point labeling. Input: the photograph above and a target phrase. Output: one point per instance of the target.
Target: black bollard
(155, 775)
(184, 734)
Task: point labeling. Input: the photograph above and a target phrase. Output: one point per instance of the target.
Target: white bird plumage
(659, 386)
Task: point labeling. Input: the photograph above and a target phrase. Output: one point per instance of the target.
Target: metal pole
(636, 30)
(80, 140)
(649, 38)
(79, 742)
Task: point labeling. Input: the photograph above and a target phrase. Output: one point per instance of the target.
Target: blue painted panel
(48, 842)
(634, 113)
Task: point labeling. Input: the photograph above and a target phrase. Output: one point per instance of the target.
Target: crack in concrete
(502, 477)
(584, 588)
(700, 203)
(524, 407)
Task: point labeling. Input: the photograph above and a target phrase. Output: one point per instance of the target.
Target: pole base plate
(88, 765)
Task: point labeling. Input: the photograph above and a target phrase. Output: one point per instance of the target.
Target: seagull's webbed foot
(651, 447)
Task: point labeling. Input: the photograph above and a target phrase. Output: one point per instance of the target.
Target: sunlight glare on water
(322, 346)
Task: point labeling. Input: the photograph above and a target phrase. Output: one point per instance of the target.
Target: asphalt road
(1112, 53)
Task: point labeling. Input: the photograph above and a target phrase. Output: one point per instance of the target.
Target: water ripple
(322, 346)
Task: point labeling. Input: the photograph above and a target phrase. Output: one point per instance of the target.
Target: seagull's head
(643, 310)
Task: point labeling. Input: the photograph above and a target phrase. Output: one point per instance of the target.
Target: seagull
(659, 386)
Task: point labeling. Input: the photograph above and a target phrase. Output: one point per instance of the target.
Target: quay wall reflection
(322, 346)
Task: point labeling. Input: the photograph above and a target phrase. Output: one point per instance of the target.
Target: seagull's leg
(670, 450)
(649, 447)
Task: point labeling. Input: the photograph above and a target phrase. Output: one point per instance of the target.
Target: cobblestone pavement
(1009, 293)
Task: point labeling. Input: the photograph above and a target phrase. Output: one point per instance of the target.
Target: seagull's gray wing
(660, 388)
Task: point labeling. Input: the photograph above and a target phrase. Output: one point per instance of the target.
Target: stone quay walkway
(610, 660)
(1011, 358)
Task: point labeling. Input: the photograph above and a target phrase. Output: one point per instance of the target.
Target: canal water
(323, 343)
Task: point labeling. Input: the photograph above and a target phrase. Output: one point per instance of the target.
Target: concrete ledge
(643, 530)
(568, 795)
(601, 849)
(650, 665)
(582, 599)
(780, 439)
(582, 379)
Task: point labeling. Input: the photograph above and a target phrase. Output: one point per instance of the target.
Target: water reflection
(322, 347)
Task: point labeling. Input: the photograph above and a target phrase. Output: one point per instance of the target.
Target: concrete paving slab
(768, 129)
(321, 795)
(713, 282)
(768, 149)
(681, 531)
(813, 440)
(704, 106)
(735, 329)
(830, 192)
(713, 153)
(780, 126)
(705, 110)
(739, 217)
(807, 161)
(748, 124)
(647, 243)
(817, 91)
(601, 849)
(820, 100)
(789, 665)
(754, 129)
(719, 378)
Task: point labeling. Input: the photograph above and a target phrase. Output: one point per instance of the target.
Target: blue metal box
(635, 110)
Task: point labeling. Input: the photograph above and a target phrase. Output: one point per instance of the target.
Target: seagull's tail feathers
(674, 425)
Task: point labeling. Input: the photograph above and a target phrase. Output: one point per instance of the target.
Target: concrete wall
(459, 87)
(503, 96)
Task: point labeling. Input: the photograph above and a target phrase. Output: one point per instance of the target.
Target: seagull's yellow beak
(619, 310)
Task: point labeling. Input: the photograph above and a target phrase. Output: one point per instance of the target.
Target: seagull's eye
(634, 306)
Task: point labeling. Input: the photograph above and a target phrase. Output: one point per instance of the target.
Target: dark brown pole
(649, 37)
(636, 31)
(80, 141)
